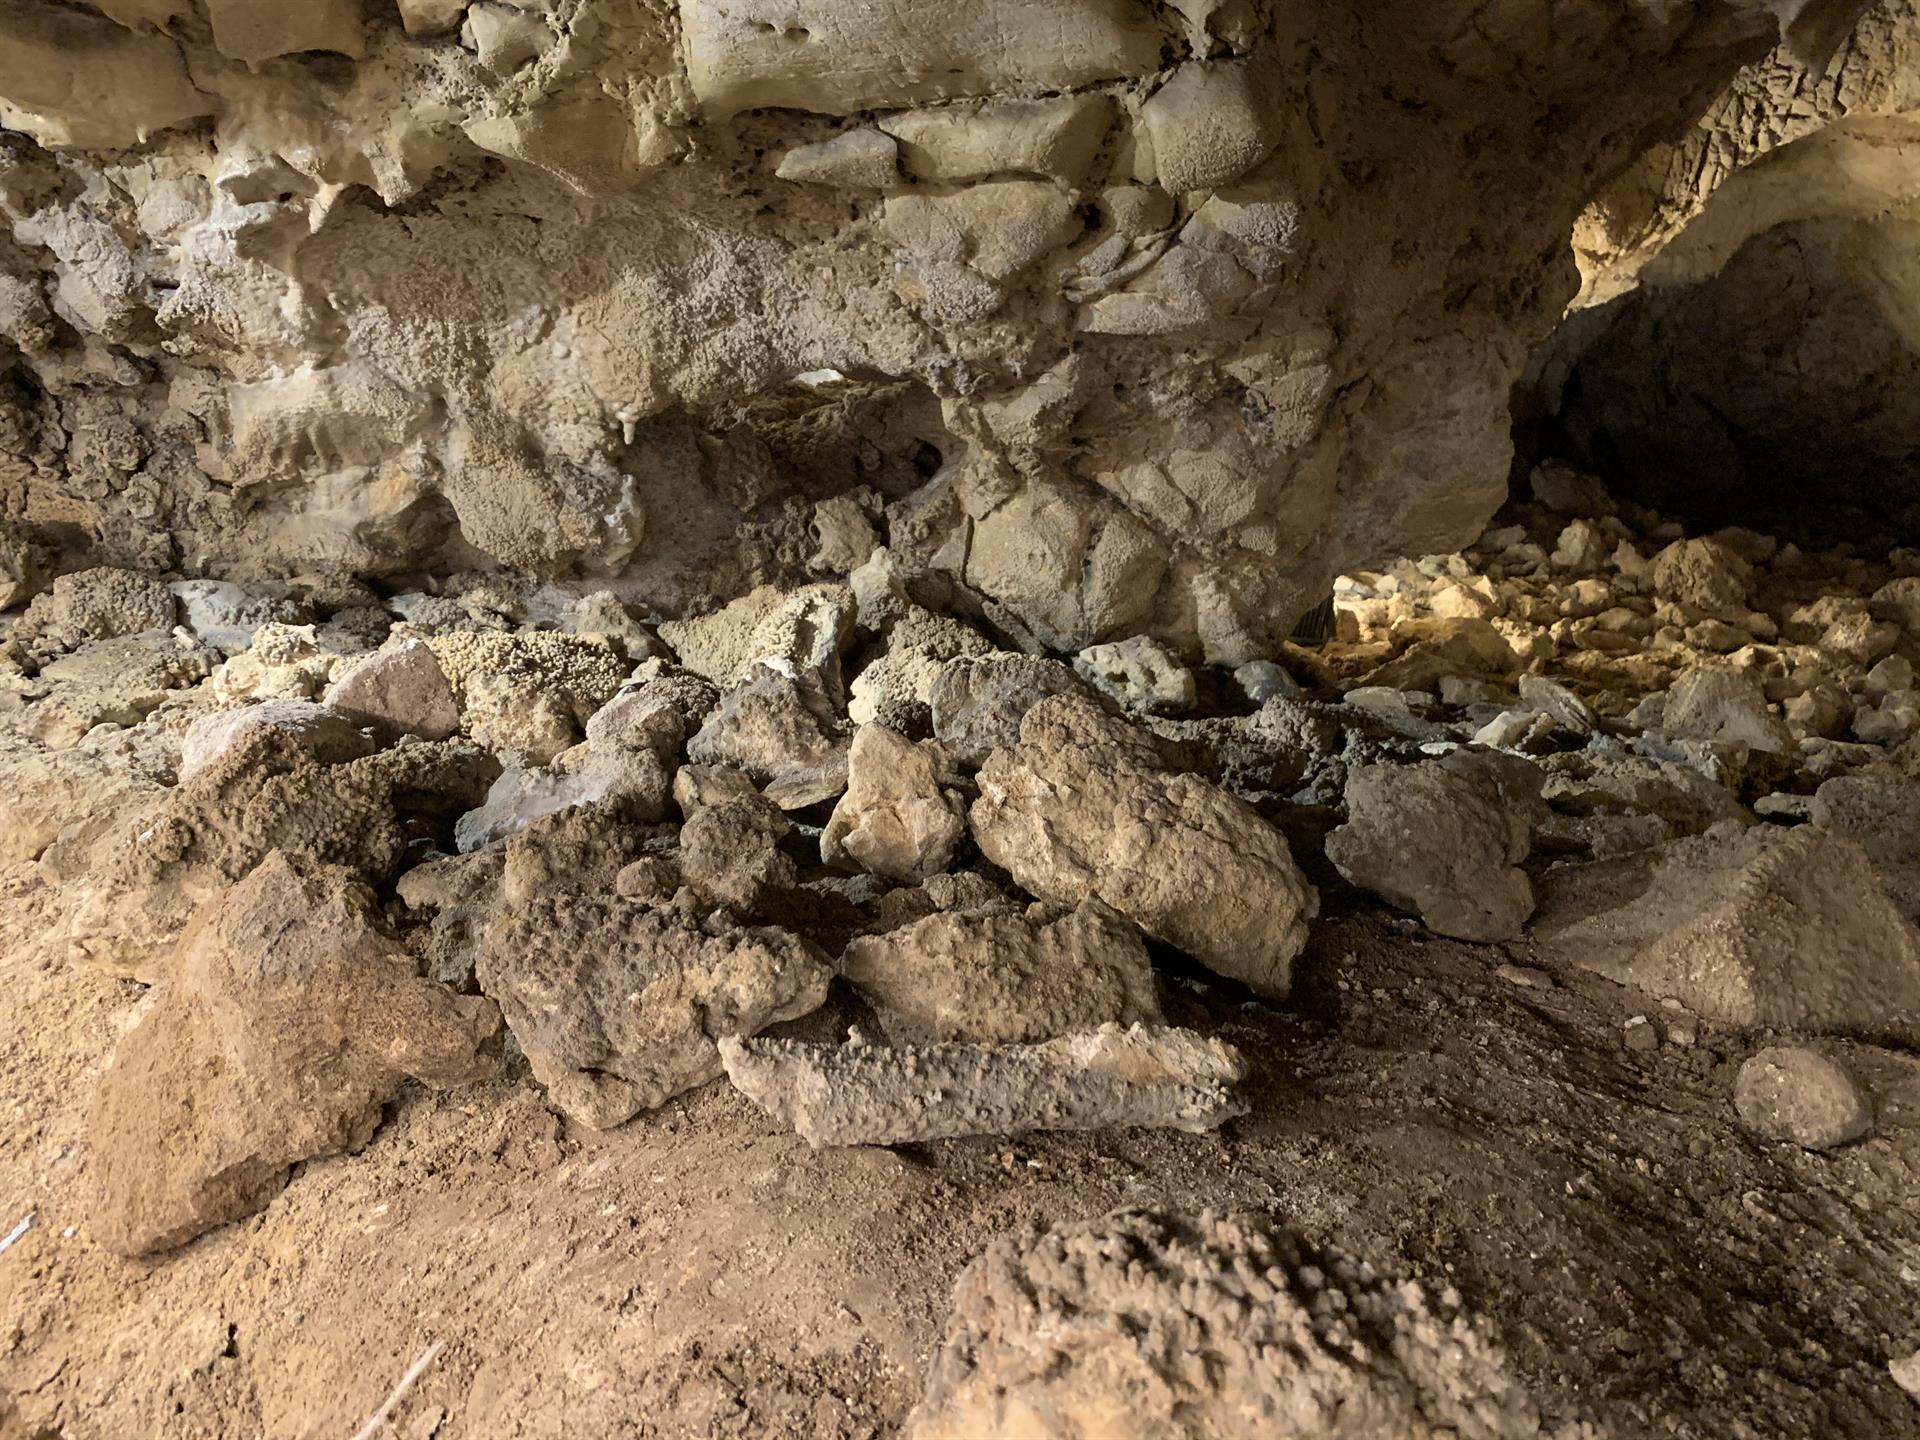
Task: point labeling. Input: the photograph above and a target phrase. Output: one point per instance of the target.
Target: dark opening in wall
(1765, 373)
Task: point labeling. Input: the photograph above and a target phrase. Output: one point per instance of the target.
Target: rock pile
(650, 851)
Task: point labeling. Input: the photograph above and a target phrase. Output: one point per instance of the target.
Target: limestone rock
(255, 30)
(1703, 574)
(1056, 137)
(896, 689)
(1205, 127)
(100, 604)
(137, 883)
(1764, 927)
(860, 159)
(1142, 1325)
(43, 791)
(979, 702)
(845, 60)
(1140, 673)
(730, 852)
(1726, 707)
(1799, 1096)
(618, 1005)
(289, 1018)
(1082, 809)
(324, 733)
(527, 694)
(1444, 839)
(227, 615)
(802, 630)
(780, 732)
(895, 819)
(1002, 977)
(402, 690)
(863, 1094)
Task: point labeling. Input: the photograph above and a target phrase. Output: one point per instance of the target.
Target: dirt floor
(1650, 1266)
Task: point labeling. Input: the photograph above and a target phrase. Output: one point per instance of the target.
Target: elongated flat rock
(866, 1094)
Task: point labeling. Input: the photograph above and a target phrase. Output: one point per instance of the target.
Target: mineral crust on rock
(865, 1094)
(1000, 976)
(1149, 1326)
(619, 1005)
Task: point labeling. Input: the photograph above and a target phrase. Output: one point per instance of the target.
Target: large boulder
(1788, 929)
(289, 1018)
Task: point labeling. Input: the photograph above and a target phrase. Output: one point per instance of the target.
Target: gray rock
(403, 690)
(978, 703)
(1444, 839)
(1724, 707)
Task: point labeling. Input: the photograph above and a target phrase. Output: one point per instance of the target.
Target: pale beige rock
(402, 690)
(840, 58)
(896, 820)
(1083, 809)
(779, 732)
(863, 1094)
(1205, 127)
(1056, 137)
(326, 734)
(69, 78)
(1140, 1326)
(255, 30)
(861, 159)
(1001, 976)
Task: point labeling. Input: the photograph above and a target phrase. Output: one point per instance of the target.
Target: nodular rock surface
(1126, 318)
(865, 1094)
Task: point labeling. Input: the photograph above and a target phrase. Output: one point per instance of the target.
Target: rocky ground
(481, 1010)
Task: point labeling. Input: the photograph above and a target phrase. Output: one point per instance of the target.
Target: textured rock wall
(1746, 347)
(1130, 316)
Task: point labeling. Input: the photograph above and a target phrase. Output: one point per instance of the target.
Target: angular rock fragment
(1145, 1326)
(1796, 1095)
(618, 1004)
(1726, 707)
(865, 1094)
(802, 630)
(226, 615)
(289, 1018)
(136, 883)
(1444, 839)
(1140, 673)
(1002, 976)
(326, 734)
(43, 791)
(1764, 927)
(730, 852)
(979, 702)
(781, 732)
(1083, 809)
(860, 159)
(403, 690)
(895, 819)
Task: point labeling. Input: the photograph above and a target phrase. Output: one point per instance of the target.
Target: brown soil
(1649, 1264)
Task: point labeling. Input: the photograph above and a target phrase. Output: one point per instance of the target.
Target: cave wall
(1746, 347)
(1132, 316)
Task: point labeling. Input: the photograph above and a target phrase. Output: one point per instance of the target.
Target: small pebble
(1525, 976)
